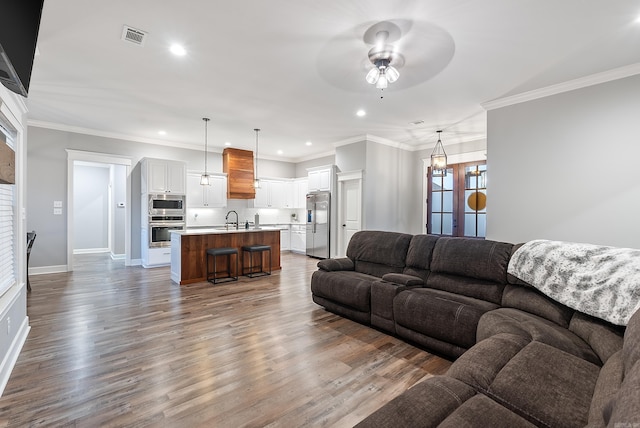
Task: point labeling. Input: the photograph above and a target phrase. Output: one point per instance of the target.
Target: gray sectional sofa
(522, 359)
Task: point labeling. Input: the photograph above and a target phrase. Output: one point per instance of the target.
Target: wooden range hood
(238, 165)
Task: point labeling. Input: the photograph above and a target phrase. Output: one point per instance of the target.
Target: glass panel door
(457, 201)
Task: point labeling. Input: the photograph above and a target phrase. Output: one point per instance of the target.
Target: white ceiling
(295, 68)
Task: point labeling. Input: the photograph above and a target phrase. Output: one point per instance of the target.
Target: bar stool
(251, 249)
(212, 276)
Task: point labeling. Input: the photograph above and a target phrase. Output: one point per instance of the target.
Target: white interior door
(350, 211)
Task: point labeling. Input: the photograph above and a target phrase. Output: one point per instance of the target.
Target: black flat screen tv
(19, 25)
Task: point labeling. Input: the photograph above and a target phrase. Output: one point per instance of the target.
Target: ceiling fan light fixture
(372, 75)
(381, 56)
(392, 74)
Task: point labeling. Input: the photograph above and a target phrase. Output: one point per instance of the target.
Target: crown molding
(583, 82)
(113, 135)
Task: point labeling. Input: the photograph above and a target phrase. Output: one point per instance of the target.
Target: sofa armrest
(342, 263)
(402, 279)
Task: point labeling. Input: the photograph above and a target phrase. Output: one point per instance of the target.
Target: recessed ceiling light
(280, 152)
(178, 50)
(226, 143)
(308, 143)
(161, 132)
(361, 113)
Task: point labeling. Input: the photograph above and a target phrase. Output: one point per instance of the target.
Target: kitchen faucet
(227, 219)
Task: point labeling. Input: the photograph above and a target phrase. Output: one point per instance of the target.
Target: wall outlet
(57, 204)
(57, 211)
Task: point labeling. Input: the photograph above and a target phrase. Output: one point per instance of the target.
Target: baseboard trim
(42, 270)
(134, 262)
(91, 251)
(118, 256)
(11, 358)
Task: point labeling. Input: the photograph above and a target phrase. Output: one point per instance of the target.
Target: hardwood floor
(124, 346)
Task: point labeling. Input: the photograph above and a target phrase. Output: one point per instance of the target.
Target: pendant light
(439, 158)
(204, 178)
(256, 182)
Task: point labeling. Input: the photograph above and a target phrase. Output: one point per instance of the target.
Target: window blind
(7, 227)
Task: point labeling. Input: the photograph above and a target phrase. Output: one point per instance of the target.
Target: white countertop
(212, 230)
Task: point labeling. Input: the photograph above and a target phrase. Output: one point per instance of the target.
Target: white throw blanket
(594, 279)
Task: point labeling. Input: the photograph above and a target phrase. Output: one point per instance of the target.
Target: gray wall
(391, 194)
(91, 207)
(301, 167)
(119, 183)
(47, 181)
(565, 167)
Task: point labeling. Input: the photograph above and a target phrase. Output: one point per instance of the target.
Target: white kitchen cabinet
(298, 238)
(273, 194)
(299, 193)
(320, 178)
(163, 176)
(285, 239)
(212, 196)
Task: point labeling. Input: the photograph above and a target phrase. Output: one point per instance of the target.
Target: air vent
(133, 35)
(416, 122)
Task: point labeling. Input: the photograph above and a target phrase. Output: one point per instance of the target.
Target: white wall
(565, 167)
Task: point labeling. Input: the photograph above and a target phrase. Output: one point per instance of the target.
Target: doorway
(99, 199)
(349, 208)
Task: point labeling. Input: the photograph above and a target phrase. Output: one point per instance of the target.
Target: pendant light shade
(439, 158)
(204, 178)
(256, 182)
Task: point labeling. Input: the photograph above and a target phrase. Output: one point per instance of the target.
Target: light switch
(57, 204)
(57, 211)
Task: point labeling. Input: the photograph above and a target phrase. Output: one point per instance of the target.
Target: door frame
(343, 177)
(477, 156)
(78, 155)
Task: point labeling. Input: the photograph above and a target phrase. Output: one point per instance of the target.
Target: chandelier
(381, 56)
(439, 158)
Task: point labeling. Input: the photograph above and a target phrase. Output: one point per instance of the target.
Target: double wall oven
(166, 214)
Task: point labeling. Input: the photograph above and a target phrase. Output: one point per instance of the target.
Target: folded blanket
(594, 279)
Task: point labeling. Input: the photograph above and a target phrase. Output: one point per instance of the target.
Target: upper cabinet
(299, 194)
(274, 193)
(212, 196)
(163, 176)
(238, 165)
(320, 178)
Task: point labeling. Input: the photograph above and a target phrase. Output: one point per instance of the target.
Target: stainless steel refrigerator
(318, 224)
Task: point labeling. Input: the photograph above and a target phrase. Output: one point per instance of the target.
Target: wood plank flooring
(124, 346)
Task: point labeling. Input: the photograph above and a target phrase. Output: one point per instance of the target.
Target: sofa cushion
(625, 410)
(419, 255)
(603, 337)
(482, 412)
(480, 259)
(426, 404)
(352, 289)
(631, 345)
(444, 316)
(377, 252)
(533, 327)
(531, 300)
(546, 386)
(465, 286)
(342, 263)
(607, 386)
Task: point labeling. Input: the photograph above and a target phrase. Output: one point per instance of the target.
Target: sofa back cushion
(378, 253)
(471, 267)
(419, 255)
(474, 258)
(603, 337)
(528, 299)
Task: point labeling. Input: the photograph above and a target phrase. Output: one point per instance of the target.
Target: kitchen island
(189, 250)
